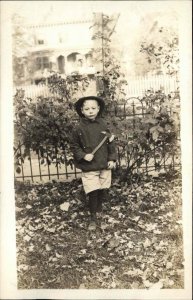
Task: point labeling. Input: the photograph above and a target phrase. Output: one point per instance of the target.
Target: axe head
(108, 135)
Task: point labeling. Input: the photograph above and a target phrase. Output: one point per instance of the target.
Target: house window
(20, 69)
(42, 63)
(40, 42)
(61, 63)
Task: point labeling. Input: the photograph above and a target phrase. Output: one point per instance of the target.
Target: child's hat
(79, 103)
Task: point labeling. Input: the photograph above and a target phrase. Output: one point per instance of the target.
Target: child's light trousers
(96, 180)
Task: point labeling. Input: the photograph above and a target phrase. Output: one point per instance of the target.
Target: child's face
(90, 109)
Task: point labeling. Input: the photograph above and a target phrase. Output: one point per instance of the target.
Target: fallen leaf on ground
(18, 209)
(31, 227)
(27, 238)
(147, 283)
(113, 285)
(130, 245)
(113, 242)
(157, 231)
(151, 226)
(156, 286)
(51, 229)
(107, 269)
(134, 272)
(113, 221)
(54, 259)
(136, 219)
(74, 216)
(58, 255)
(65, 206)
(83, 251)
(170, 282)
(62, 226)
(147, 243)
(104, 226)
(28, 206)
(135, 285)
(48, 247)
(37, 220)
(169, 265)
(179, 222)
(82, 286)
(22, 267)
(31, 248)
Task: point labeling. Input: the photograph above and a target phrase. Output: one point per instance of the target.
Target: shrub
(43, 125)
(152, 134)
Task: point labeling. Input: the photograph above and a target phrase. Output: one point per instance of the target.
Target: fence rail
(33, 91)
(34, 173)
(137, 85)
(32, 169)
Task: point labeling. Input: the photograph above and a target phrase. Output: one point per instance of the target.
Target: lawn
(138, 243)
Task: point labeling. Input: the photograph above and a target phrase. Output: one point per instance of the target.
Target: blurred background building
(61, 47)
(57, 37)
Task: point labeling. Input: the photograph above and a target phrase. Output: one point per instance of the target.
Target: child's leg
(93, 203)
(102, 197)
(91, 185)
(105, 181)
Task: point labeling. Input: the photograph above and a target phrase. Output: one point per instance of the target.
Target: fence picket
(39, 166)
(30, 161)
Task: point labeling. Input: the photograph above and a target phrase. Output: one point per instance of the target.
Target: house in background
(66, 47)
(61, 47)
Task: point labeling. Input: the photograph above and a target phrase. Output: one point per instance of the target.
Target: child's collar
(85, 120)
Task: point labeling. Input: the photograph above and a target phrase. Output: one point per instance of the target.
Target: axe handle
(99, 145)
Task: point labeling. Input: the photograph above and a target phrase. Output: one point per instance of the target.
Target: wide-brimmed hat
(79, 103)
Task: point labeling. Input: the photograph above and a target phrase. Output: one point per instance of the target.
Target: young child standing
(95, 165)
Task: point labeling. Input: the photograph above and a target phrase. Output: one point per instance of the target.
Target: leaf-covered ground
(137, 244)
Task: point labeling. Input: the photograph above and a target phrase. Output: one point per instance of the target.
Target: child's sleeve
(112, 154)
(111, 147)
(76, 149)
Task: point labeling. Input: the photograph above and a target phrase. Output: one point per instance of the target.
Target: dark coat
(85, 137)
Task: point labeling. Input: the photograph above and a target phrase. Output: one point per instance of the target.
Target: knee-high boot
(93, 203)
(102, 197)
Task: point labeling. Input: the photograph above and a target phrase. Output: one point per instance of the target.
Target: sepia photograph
(95, 162)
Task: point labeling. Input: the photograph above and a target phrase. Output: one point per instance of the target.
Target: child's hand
(89, 157)
(111, 164)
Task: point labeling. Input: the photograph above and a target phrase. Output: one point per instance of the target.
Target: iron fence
(32, 170)
(37, 169)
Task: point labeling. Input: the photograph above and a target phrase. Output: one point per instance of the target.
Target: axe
(107, 136)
